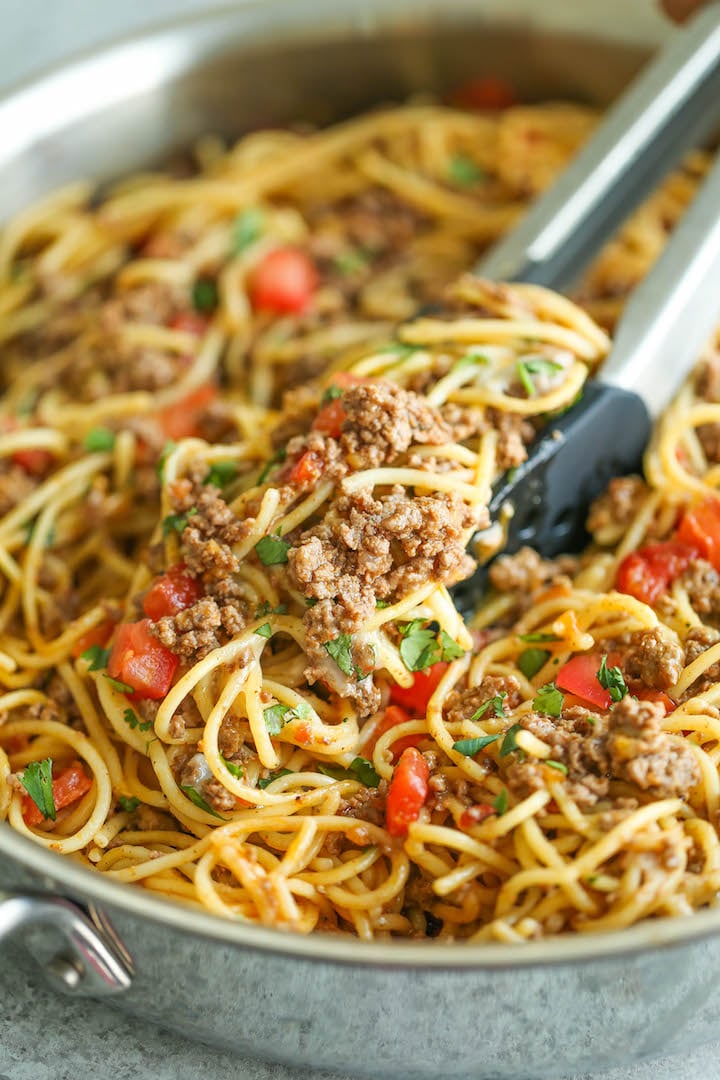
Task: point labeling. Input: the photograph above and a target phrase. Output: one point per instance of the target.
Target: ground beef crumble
(654, 658)
(526, 571)
(627, 743)
(612, 512)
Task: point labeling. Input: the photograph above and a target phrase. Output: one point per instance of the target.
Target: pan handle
(86, 964)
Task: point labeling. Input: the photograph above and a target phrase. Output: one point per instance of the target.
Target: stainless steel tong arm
(673, 105)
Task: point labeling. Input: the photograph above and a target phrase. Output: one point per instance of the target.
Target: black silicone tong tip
(545, 500)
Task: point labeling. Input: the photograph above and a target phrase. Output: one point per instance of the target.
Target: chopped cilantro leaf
(37, 781)
(351, 261)
(549, 700)
(501, 802)
(133, 721)
(365, 772)
(204, 295)
(419, 647)
(264, 631)
(535, 365)
(340, 649)
(246, 229)
(470, 359)
(97, 657)
(464, 172)
(277, 459)
(165, 454)
(232, 768)
(273, 776)
(470, 747)
(129, 805)
(400, 349)
(311, 601)
(100, 438)
(531, 660)
(450, 649)
(272, 550)
(557, 765)
(196, 798)
(612, 680)
(494, 703)
(121, 687)
(335, 772)
(221, 473)
(538, 635)
(177, 522)
(380, 604)
(331, 394)
(509, 743)
(277, 716)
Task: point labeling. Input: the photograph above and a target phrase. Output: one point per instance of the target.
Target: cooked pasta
(239, 474)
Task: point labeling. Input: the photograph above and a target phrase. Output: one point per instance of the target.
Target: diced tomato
(67, 788)
(394, 715)
(34, 462)
(173, 592)
(97, 635)
(330, 419)
(475, 814)
(140, 660)
(656, 695)
(192, 322)
(579, 677)
(408, 791)
(649, 571)
(486, 92)
(302, 733)
(180, 420)
(306, 470)
(283, 282)
(415, 698)
(700, 530)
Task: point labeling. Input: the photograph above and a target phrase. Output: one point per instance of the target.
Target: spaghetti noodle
(238, 478)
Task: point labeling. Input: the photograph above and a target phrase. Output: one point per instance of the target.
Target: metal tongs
(672, 106)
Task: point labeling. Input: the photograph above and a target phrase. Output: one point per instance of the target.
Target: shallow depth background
(42, 1036)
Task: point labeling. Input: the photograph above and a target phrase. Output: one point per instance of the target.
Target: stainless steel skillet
(546, 1009)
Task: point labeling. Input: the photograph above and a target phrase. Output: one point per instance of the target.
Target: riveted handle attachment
(76, 956)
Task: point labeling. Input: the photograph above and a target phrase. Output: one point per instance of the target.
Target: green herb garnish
(232, 768)
(100, 438)
(265, 630)
(205, 295)
(531, 660)
(470, 747)
(277, 459)
(177, 522)
(557, 765)
(538, 635)
(273, 776)
(549, 700)
(96, 656)
(419, 647)
(450, 649)
(471, 359)
(272, 550)
(509, 743)
(246, 229)
(221, 473)
(196, 798)
(501, 802)
(612, 680)
(494, 703)
(37, 781)
(351, 261)
(164, 455)
(340, 649)
(277, 716)
(129, 805)
(365, 772)
(331, 394)
(121, 687)
(133, 721)
(537, 365)
(464, 171)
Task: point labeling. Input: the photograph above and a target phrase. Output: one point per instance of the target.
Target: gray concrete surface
(42, 1036)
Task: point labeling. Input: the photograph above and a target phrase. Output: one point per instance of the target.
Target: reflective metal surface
(401, 1010)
